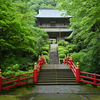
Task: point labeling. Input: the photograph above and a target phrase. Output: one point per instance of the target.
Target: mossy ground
(28, 93)
(15, 93)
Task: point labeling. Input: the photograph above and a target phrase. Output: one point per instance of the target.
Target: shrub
(84, 50)
(60, 46)
(62, 43)
(61, 61)
(61, 52)
(66, 52)
(60, 49)
(45, 48)
(47, 58)
(54, 41)
(44, 52)
(79, 57)
(70, 49)
(66, 42)
(61, 55)
(69, 46)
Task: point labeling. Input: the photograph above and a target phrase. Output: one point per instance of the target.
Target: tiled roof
(59, 30)
(50, 13)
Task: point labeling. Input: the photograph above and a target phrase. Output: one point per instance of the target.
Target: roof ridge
(47, 8)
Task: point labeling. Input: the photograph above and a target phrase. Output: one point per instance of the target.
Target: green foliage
(20, 41)
(81, 57)
(70, 49)
(61, 55)
(18, 35)
(66, 42)
(61, 60)
(87, 62)
(54, 41)
(47, 58)
(66, 52)
(47, 45)
(44, 52)
(60, 49)
(10, 71)
(86, 25)
(45, 48)
(62, 52)
(62, 43)
(77, 56)
(70, 46)
(37, 4)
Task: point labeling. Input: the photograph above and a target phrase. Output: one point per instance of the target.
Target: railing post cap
(35, 66)
(71, 57)
(42, 56)
(39, 57)
(67, 55)
(77, 65)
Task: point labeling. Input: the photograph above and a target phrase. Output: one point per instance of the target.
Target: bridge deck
(55, 66)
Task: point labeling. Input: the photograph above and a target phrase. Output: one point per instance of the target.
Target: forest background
(21, 41)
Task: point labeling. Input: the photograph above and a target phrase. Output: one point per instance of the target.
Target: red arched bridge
(43, 73)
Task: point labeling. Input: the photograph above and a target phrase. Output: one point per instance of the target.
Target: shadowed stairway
(56, 74)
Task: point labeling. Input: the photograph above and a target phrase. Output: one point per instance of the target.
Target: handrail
(85, 77)
(73, 68)
(35, 73)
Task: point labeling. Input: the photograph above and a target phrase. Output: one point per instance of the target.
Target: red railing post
(77, 73)
(71, 62)
(35, 73)
(67, 58)
(18, 84)
(0, 80)
(43, 60)
(94, 79)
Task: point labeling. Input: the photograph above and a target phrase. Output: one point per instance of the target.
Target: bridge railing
(18, 78)
(81, 76)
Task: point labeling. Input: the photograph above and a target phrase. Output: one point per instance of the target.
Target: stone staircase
(53, 54)
(56, 75)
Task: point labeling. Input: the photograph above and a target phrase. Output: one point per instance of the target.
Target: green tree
(18, 37)
(85, 22)
(37, 4)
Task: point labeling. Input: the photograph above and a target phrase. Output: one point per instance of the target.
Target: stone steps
(53, 54)
(56, 76)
